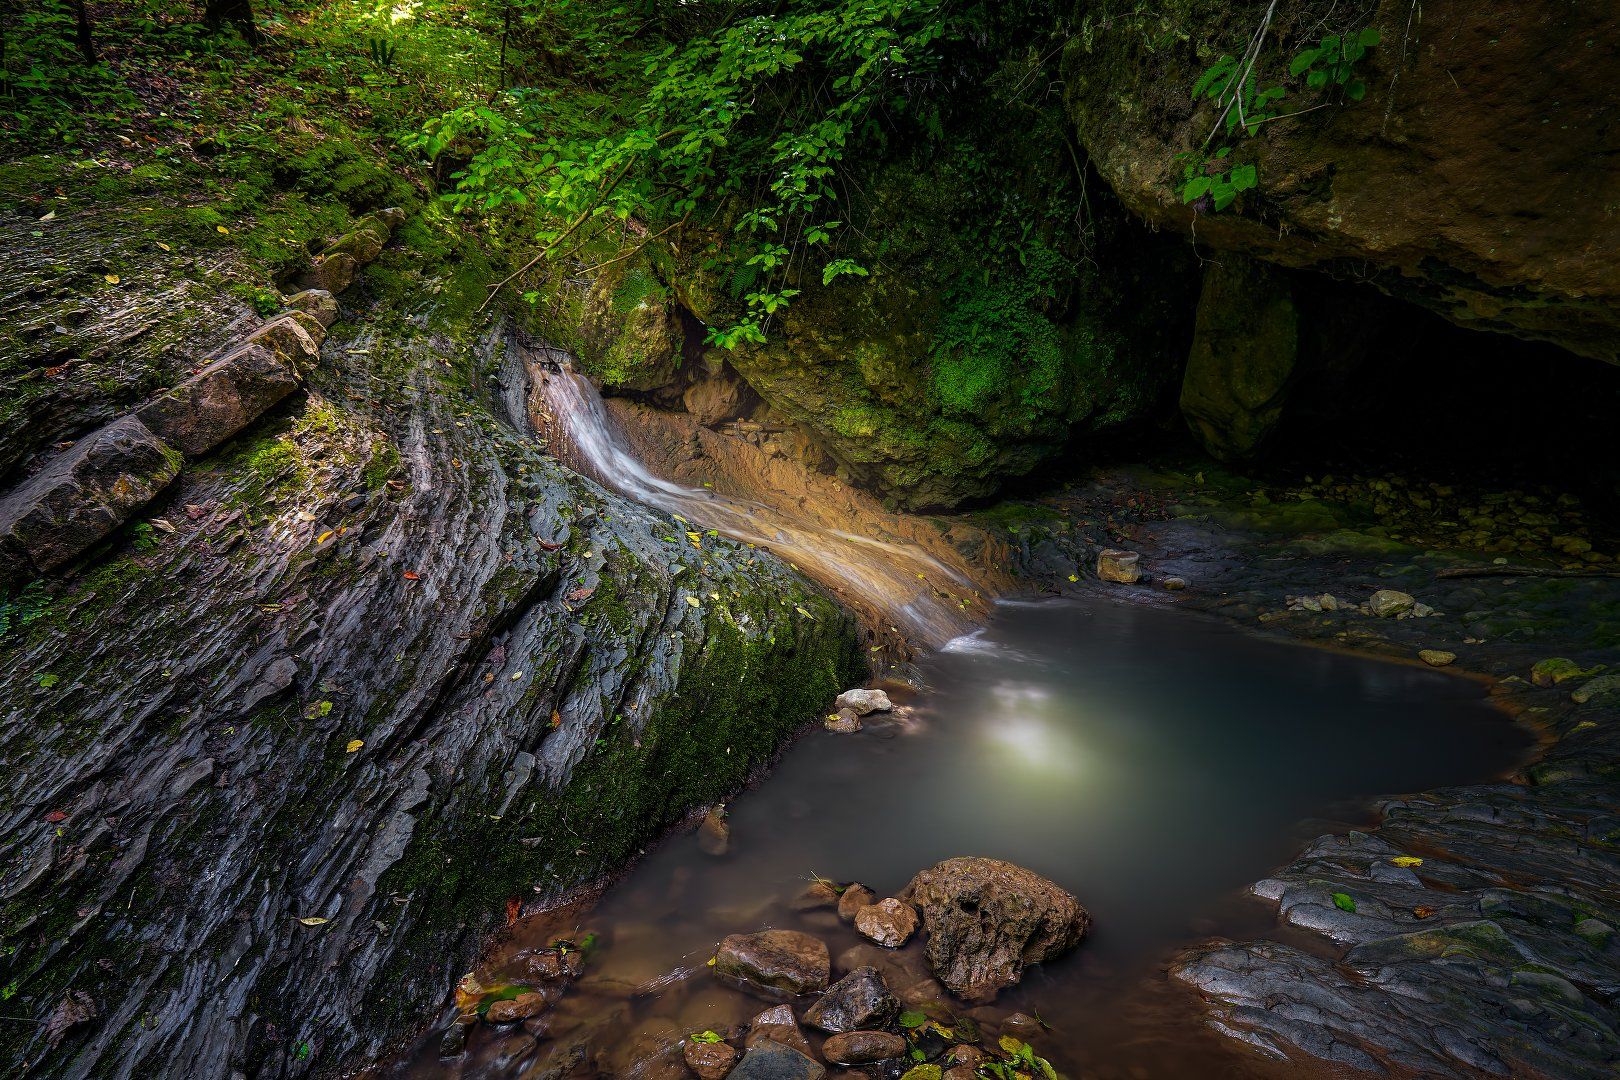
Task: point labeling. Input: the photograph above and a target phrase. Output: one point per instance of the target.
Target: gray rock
(86, 492)
(319, 303)
(863, 702)
(770, 1060)
(860, 999)
(1386, 603)
(843, 722)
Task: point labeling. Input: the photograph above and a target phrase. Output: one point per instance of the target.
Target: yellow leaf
(162, 246)
(112, 279)
(222, 230)
(1407, 860)
(803, 612)
(1010, 1044)
(314, 920)
(324, 537)
(692, 600)
(1074, 577)
(354, 744)
(516, 675)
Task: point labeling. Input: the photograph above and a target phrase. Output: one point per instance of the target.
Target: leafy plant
(1021, 1061)
(1210, 180)
(705, 1037)
(382, 52)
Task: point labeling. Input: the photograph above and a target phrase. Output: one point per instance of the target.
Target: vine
(1210, 180)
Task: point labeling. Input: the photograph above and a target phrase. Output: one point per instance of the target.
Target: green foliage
(1344, 902)
(23, 607)
(382, 52)
(1210, 179)
(996, 333)
(1021, 1061)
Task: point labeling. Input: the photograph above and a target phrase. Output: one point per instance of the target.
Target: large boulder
(774, 963)
(220, 400)
(1245, 346)
(987, 920)
(1425, 188)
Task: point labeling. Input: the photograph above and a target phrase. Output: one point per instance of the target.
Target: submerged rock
(860, 999)
(770, 1060)
(710, 1060)
(714, 832)
(987, 920)
(863, 702)
(855, 897)
(888, 922)
(774, 963)
(863, 1047)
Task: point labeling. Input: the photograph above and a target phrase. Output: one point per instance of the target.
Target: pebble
(889, 922)
(1436, 657)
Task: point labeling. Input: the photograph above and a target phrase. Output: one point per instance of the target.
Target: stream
(1152, 762)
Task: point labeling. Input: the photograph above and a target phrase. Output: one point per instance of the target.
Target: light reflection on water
(1151, 762)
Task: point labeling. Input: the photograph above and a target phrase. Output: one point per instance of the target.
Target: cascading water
(910, 589)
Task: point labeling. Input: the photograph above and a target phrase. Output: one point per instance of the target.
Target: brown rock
(859, 1000)
(1118, 566)
(843, 722)
(290, 337)
(818, 894)
(86, 492)
(855, 897)
(317, 303)
(714, 833)
(778, 1025)
(220, 400)
(710, 1060)
(332, 273)
(888, 922)
(514, 1009)
(987, 920)
(774, 963)
(863, 1047)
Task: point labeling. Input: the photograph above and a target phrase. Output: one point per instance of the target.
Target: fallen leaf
(580, 594)
(556, 718)
(56, 816)
(1407, 860)
(514, 908)
(1344, 902)
(547, 547)
(412, 575)
(692, 600)
(164, 524)
(49, 217)
(354, 744)
(305, 515)
(222, 230)
(111, 279)
(314, 920)
(162, 246)
(803, 612)
(1423, 912)
(324, 537)
(74, 1008)
(516, 675)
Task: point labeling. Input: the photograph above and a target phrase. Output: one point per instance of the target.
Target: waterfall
(912, 591)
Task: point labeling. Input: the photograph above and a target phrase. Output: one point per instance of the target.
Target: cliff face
(1477, 177)
(281, 750)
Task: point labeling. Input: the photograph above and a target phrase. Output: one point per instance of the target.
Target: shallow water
(1152, 762)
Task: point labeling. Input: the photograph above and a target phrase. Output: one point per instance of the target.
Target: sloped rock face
(392, 669)
(1475, 179)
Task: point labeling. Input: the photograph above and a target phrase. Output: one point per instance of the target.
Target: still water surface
(1152, 762)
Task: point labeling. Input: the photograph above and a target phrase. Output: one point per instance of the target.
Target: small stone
(1174, 584)
(1119, 566)
(888, 922)
(1422, 611)
(514, 1009)
(855, 897)
(859, 1000)
(1387, 603)
(774, 963)
(1328, 601)
(863, 702)
(714, 833)
(1436, 657)
(1602, 687)
(778, 1025)
(863, 1047)
(843, 722)
(455, 1039)
(710, 1060)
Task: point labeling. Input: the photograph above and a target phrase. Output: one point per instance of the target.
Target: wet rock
(1174, 584)
(774, 963)
(512, 1010)
(863, 1047)
(219, 401)
(843, 722)
(1437, 657)
(855, 897)
(962, 1061)
(1387, 603)
(860, 999)
(1118, 566)
(1245, 345)
(1557, 670)
(888, 922)
(710, 1060)
(454, 1042)
(863, 702)
(1022, 1026)
(714, 832)
(771, 1060)
(778, 1025)
(86, 492)
(818, 894)
(547, 965)
(987, 920)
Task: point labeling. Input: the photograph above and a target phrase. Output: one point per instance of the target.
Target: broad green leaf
(1344, 902)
